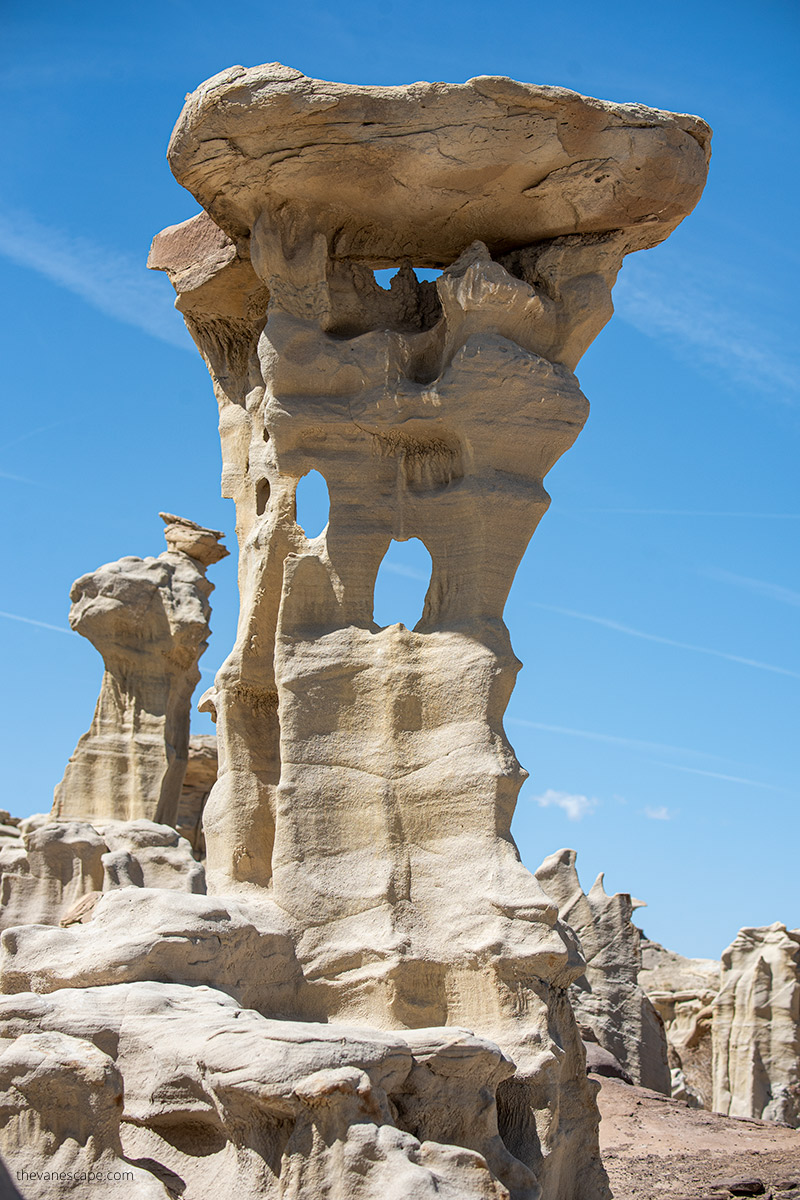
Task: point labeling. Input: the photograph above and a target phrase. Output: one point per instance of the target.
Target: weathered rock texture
(56, 871)
(608, 997)
(219, 1101)
(149, 620)
(756, 1026)
(682, 991)
(365, 778)
(200, 777)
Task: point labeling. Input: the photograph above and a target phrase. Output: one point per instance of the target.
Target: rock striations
(608, 998)
(148, 617)
(302, 1031)
(756, 1026)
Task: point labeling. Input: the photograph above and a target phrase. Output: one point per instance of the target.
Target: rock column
(148, 617)
(366, 783)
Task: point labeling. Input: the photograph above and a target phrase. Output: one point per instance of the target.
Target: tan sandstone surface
(342, 743)
(148, 618)
(756, 1026)
(682, 990)
(373, 998)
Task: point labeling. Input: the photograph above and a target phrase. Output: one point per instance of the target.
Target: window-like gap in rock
(385, 276)
(262, 496)
(313, 504)
(402, 584)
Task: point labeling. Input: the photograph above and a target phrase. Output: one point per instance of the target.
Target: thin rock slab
(608, 996)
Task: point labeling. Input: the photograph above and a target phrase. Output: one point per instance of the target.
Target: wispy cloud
(408, 572)
(610, 739)
(629, 631)
(689, 512)
(575, 806)
(117, 285)
(772, 591)
(42, 624)
(693, 312)
(29, 433)
(18, 478)
(628, 743)
(717, 775)
(658, 814)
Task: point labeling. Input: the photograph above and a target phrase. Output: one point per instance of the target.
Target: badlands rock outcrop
(220, 1101)
(200, 777)
(608, 997)
(365, 779)
(149, 620)
(756, 1026)
(373, 1000)
(56, 871)
(682, 991)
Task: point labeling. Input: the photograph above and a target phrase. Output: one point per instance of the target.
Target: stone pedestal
(366, 786)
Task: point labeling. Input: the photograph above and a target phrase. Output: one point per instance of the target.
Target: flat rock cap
(420, 172)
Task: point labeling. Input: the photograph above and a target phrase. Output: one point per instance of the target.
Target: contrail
(664, 641)
(117, 285)
(716, 775)
(611, 739)
(42, 624)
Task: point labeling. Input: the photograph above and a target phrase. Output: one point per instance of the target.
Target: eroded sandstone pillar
(366, 783)
(148, 617)
(756, 1026)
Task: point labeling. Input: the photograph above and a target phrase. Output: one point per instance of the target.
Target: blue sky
(656, 609)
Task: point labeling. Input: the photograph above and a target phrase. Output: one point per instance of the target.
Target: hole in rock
(313, 504)
(403, 580)
(384, 277)
(262, 496)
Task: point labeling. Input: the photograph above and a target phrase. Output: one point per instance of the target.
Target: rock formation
(303, 1030)
(220, 1101)
(682, 991)
(608, 997)
(55, 872)
(149, 620)
(364, 772)
(200, 777)
(756, 1026)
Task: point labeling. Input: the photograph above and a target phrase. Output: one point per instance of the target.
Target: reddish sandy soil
(659, 1149)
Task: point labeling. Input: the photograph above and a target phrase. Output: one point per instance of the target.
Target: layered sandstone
(682, 991)
(200, 777)
(220, 1101)
(756, 1026)
(56, 871)
(608, 998)
(148, 618)
(365, 780)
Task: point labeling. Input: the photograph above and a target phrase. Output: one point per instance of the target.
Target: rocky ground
(660, 1149)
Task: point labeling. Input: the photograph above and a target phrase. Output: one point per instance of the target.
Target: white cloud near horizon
(629, 631)
(117, 285)
(575, 806)
(693, 313)
(662, 813)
